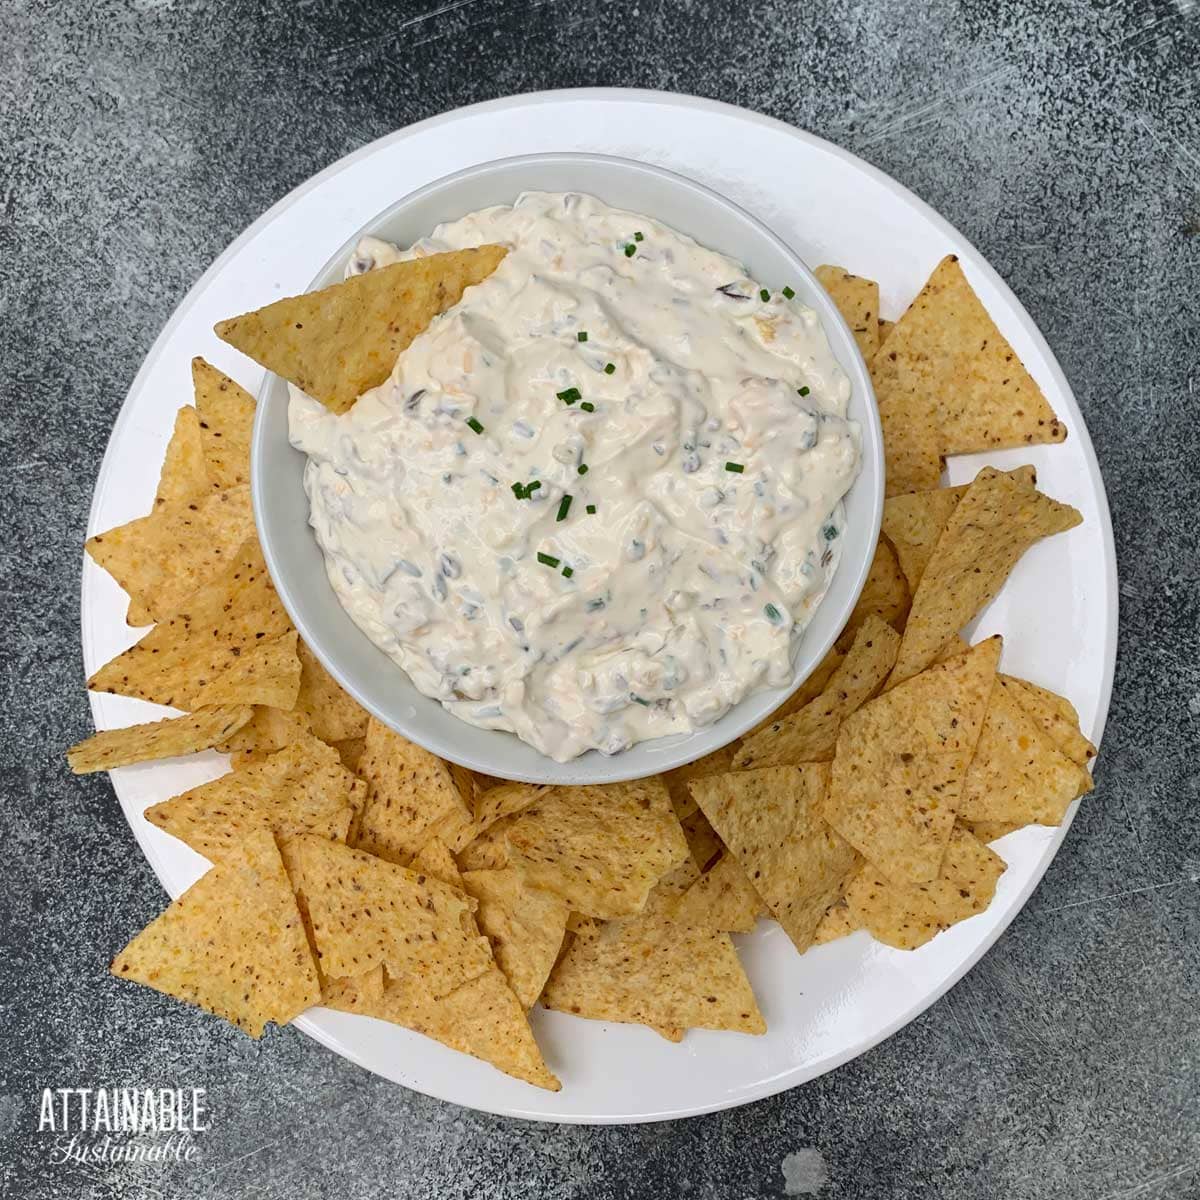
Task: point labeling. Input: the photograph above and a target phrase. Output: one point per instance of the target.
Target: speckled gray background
(138, 138)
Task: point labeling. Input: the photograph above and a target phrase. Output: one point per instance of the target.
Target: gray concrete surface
(138, 138)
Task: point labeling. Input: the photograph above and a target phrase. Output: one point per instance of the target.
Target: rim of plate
(468, 745)
(802, 1074)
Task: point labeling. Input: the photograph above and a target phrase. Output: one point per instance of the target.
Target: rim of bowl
(673, 750)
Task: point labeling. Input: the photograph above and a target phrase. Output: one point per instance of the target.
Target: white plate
(1058, 610)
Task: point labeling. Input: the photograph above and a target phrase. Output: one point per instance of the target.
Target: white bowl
(296, 562)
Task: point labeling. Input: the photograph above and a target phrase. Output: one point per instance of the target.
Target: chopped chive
(830, 532)
(548, 559)
(639, 700)
(568, 572)
(736, 468)
(474, 424)
(564, 507)
(588, 406)
(518, 491)
(591, 510)
(630, 250)
(773, 614)
(530, 488)
(581, 336)
(609, 368)
(582, 468)
(570, 395)
(787, 291)
(803, 391)
(764, 295)
(637, 237)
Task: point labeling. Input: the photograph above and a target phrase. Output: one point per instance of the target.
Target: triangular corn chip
(412, 796)
(351, 750)
(912, 445)
(996, 521)
(184, 475)
(651, 970)
(436, 860)
(502, 801)
(901, 761)
(838, 922)
(270, 729)
(233, 943)
(524, 924)
(857, 299)
(885, 327)
(990, 831)
(337, 343)
(226, 617)
(266, 674)
(292, 791)
(226, 412)
(913, 523)
(947, 348)
(335, 714)
(908, 915)
(810, 735)
(771, 820)
(162, 559)
(1054, 716)
(1017, 774)
(487, 851)
(885, 595)
(808, 691)
(601, 848)
(482, 1017)
(171, 738)
(723, 898)
(366, 912)
(356, 993)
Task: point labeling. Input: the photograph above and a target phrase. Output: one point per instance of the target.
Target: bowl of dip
(611, 509)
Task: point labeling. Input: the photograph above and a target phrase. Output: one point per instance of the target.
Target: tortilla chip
(913, 523)
(808, 691)
(160, 560)
(810, 735)
(351, 751)
(355, 994)
(901, 761)
(487, 851)
(857, 299)
(1017, 774)
(912, 447)
(601, 848)
(990, 831)
(947, 348)
(909, 915)
(436, 860)
(723, 898)
(267, 674)
(233, 943)
(412, 796)
(482, 1017)
(1054, 716)
(885, 594)
(270, 729)
(111, 748)
(524, 924)
(885, 327)
(771, 819)
(295, 790)
(997, 520)
(225, 618)
(184, 476)
(335, 715)
(366, 913)
(337, 343)
(838, 922)
(503, 801)
(650, 970)
(360, 792)
(226, 412)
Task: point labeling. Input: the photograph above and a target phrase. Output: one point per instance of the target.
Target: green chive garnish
(591, 510)
(630, 250)
(787, 291)
(564, 507)
(570, 395)
(530, 488)
(609, 368)
(764, 295)
(568, 572)
(548, 559)
(518, 491)
(736, 468)
(637, 237)
(803, 391)
(581, 336)
(474, 424)
(588, 406)
(582, 468)
(773, 614)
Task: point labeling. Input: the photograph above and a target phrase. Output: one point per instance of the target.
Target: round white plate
(1058, 611)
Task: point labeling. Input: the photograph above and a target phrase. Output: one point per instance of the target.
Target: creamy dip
(597, 500)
